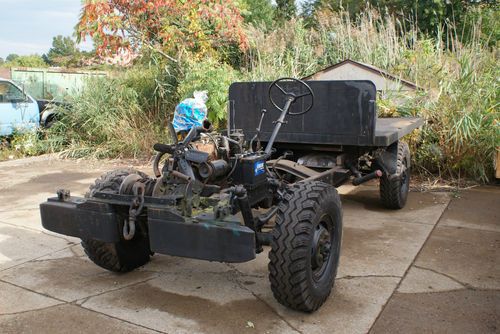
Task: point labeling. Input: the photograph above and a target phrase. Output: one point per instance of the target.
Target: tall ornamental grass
(460, 80)
(120, 116)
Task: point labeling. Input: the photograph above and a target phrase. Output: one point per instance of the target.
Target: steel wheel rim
(321, 248)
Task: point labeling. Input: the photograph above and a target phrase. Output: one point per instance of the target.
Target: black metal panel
(213, 241)
(344, 112)
(79, 218)
(390, 130)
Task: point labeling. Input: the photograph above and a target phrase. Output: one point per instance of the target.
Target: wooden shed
(353, 70)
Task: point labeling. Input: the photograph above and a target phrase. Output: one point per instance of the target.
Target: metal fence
(52, 84)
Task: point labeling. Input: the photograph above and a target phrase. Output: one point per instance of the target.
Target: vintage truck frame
(269, 179)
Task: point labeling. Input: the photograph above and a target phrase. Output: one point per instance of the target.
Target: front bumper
(169, 232)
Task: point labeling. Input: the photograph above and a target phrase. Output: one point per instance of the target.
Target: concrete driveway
(432, 267)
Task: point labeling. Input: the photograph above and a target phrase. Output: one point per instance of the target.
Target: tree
(11, 57)
(258, 12)
(169, 27)
(285, 9)
(26, 61)
(354, 7)
(428, 14)
(1, 61)
(62, 52)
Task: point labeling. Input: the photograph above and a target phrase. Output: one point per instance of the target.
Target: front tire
(121, 256)
(305, 248)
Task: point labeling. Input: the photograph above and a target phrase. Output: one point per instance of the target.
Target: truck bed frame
(346, 108)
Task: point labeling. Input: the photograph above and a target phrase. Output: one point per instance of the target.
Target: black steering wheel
(290, 95)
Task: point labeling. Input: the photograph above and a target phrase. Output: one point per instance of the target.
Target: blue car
(19, 112)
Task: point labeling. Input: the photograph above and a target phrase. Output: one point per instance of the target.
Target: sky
(27, 26)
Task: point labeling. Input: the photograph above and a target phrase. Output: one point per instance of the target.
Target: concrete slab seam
(239, 273)
(33, 291)
(116, 318)
(465, 285)
(411, 265)
(82, 301)
(36, 258)
(348, 277)
(33, 310)
(38, 231)
(25, 209)
(468, 228)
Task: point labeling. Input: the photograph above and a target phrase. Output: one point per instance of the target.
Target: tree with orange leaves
(170, 27)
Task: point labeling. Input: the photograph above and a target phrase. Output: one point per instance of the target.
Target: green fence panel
(52, 84)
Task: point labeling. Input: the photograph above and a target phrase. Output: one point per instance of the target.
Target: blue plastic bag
(191, 112)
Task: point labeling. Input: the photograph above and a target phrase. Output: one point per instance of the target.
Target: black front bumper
(169, 232)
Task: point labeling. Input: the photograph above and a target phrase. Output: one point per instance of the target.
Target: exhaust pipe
(376, 174)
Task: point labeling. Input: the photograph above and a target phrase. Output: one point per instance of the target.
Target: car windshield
(10, 93)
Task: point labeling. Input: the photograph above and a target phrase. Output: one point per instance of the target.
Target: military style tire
(394, 188)
(122, 256)
(305, 247)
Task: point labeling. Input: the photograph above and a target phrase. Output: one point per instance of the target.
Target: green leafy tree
(11, 57)
(258, 12)
(1, 61)
(354, 7)
(285, 9)
(63, 52)
(430, 15)
(27, 61)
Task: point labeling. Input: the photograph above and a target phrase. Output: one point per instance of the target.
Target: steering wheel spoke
(302, 95)
(281, 89)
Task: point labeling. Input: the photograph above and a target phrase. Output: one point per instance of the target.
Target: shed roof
(367, 67)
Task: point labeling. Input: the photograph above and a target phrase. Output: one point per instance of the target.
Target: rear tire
(394, 188)
(305, 247)
(122, 256)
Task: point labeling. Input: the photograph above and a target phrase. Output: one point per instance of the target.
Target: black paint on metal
(206, 240)
(82, 219)
(343, 112)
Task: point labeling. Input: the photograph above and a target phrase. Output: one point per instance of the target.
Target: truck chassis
(223, 196)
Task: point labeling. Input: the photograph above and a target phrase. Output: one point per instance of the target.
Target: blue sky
(27, 26)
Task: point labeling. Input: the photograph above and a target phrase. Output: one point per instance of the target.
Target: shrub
(214, 77)
(122, 116)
